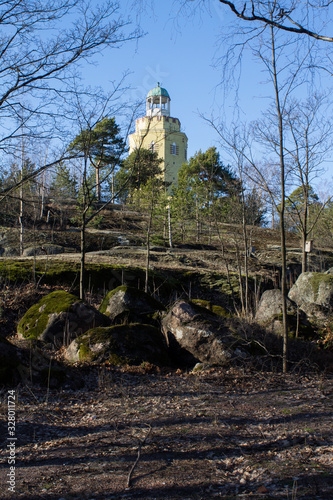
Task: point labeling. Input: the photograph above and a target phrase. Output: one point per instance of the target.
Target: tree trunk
(148, 251)
(98, 184)
(282, 211)
(83, 230)
(197, 220)
(21, 214)
(246, 264)
(169, 226)
(82, 260)
(305, 231)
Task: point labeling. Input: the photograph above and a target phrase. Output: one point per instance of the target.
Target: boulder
(313, 288)
(10, 252)
(120, 344)
(47, 249)
(32, 251)
(269, 315)
(270, 307)
(58, 318)
(316, 314)
(130, 305)
(196, 335)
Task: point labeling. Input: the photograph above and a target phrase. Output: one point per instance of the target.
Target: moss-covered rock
(126, 304)
(58, 318)
(120, 344)
(313, 288)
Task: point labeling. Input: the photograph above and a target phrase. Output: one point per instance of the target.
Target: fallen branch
(141, 443)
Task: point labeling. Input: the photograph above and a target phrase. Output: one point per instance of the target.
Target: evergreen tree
(103, 146)
(135, 171)
(63, 185)
(205, 188)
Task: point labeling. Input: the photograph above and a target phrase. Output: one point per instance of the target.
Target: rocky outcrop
(130, 305)
(313, 288)
(195, 334)
(120, 344)
(58, 318)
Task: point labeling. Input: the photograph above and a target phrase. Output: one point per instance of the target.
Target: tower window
(174, 149)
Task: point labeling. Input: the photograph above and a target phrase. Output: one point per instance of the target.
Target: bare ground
(130, 434)
(216, 434)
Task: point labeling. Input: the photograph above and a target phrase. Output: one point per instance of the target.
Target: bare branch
(281, 16)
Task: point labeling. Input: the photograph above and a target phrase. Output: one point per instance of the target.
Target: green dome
(158, 91)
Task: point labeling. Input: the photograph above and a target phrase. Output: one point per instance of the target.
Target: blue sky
(179, 52)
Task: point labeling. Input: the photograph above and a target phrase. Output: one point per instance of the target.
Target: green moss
(218, 310)
(14, 271)
(134, 292)
(85, 353)
(317, 279)
(116, 360)
(99, 276)
(36, 318)
(102, 308)
(93, 336)
(121, 344)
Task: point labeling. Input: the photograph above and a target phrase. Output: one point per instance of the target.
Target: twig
(141, 443)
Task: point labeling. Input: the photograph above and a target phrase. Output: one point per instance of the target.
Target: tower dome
(158, 102)
(158, 91)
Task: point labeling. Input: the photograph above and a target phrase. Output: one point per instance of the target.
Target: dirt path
(172, 436)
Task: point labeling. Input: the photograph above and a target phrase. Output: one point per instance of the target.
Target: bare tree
(310, 143)
(41, 44)
(88, 115)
